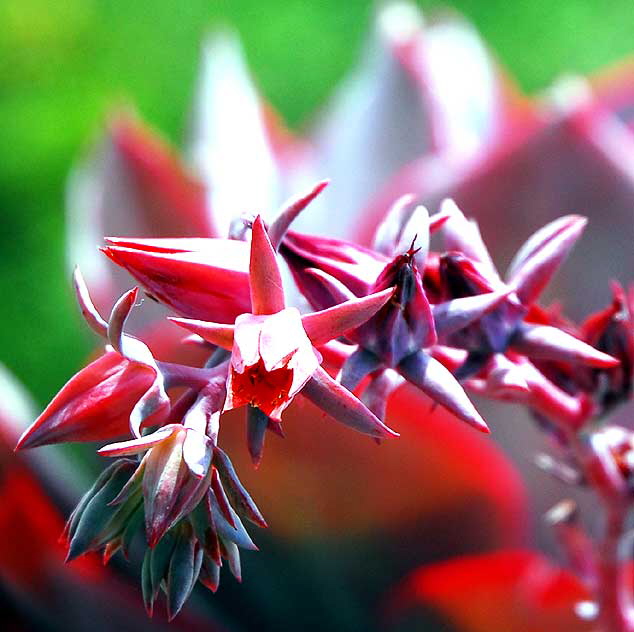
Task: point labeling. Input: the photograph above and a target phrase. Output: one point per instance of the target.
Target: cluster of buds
(376, 317)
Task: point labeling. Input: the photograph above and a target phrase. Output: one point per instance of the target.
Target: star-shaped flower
(273, 355)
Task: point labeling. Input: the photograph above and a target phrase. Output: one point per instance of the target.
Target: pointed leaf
(231, 553)
(133, 485)
(160, 561)
(221, 498)
(180, 577)
(146, 583)
(236, 491)
(102, 479)
(226, 530)
(210, 575)
(98, 512)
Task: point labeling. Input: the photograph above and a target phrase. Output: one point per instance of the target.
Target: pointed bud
(542, 342)
(539, 258)
(209, 282)
(93, 405)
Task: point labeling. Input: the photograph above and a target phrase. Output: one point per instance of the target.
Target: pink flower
(271, 361)
(272, 351)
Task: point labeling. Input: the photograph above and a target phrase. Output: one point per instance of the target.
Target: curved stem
(613, 588)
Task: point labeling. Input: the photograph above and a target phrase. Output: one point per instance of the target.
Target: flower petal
(378, 391)
(456, 314)
(257, 423)
(134, 446)
(426, 373)
(119, 315)
(265, 281)
(88, 310)
(281, 335)
(291, 210)
(333, 322)
(216, 333)
(538, 259)
(463, 235)
(197, 452)
(543, 342)
(358, 365)
(343, 406)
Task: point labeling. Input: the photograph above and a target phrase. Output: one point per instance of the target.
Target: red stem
(613, 588)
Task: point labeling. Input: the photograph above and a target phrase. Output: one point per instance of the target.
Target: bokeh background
(63, 67)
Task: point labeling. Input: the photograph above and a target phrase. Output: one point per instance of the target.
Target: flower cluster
(384, 315)
(415, 299)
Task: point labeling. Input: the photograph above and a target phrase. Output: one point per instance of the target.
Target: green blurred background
(64, 63)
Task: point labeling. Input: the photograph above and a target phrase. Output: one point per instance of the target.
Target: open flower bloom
(272, 350)
(271, 361)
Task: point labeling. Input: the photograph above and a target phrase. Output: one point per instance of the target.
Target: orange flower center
(258, 387)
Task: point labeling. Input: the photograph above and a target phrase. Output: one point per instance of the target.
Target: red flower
(94, 404)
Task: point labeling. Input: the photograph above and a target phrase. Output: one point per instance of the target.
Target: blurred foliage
(63, 64)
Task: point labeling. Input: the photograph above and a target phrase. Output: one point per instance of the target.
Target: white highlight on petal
(587, 610)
